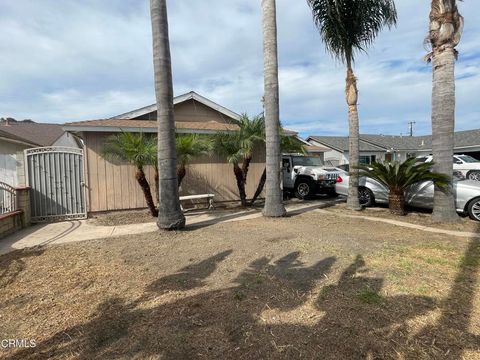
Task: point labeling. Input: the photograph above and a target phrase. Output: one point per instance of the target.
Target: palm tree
(238, 147)
(138, 150)
(348, 27)
(190, 146)
(446, 27)
(273, 197)
(288, 144)
(397, 177)
(170, 215)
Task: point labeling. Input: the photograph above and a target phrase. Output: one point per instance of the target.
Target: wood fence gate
(56, 178)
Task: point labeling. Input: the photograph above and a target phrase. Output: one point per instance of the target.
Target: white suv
(467, 165)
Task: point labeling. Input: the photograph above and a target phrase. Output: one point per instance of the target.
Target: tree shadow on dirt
(272, 310)
(189, 277)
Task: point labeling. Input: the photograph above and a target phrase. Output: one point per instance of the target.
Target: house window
(367, 159)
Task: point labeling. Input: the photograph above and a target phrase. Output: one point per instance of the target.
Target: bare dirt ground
(418, 217)
(308, 286)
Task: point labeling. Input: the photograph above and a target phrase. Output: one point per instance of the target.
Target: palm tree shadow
(189, 277)
(358, 320)
(451, 333)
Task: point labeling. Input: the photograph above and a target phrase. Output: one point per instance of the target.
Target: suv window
(421, 159)
(307, 161)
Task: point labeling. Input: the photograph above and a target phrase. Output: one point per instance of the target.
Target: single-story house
(391, 147)
(16, 136)
(112, 186)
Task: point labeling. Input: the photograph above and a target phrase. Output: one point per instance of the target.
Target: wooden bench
(208, 197)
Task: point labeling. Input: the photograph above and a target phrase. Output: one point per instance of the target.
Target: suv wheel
(304, 189)
(365, 197)
(474, 209)
(474, 175)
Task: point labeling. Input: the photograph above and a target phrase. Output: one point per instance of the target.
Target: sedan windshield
(467, 159)
(307, 161)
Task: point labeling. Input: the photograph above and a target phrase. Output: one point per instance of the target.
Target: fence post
(23, 203)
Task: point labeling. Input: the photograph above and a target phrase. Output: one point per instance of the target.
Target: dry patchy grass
(309, 286)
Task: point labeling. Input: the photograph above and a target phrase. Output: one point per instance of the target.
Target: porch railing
(8, 198)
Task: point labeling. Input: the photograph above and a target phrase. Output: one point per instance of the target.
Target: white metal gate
(56, 177)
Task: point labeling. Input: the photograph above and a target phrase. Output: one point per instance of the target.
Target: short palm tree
(288, 144)
(190, 146)
(397, 177)
(238, 147)
(446, 27)
(348, 27)
(170, 215)
(139, 150)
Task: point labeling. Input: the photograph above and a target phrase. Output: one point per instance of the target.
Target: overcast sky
(87, 59)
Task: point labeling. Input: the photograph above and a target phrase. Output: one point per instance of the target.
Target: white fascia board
(136, 129)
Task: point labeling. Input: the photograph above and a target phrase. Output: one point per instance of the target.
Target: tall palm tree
(273, 194)
(138, 150)
(238, 147)
(397, 177)
(348, 27)
(190, 146)
(170, 215)
(446, 27)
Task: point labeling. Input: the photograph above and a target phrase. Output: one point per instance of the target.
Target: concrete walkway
(404, 224)
(80, 230)
(73, 231)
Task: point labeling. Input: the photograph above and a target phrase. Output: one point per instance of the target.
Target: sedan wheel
(474, 209)
(474, 175)
(365, 197)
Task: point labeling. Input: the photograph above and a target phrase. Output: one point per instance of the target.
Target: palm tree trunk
(396, 203)
(181, 172)
(260, 186)
(157, 186)
(142, 181)
(273, 197)
(353, 139)
(240, 184)
(446, 26)
(245, 166)
(170, 215)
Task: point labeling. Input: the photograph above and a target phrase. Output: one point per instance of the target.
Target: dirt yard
(309, 286)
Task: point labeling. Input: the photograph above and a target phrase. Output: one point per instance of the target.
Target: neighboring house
(112, 186)
(390, 147)
(16, 136)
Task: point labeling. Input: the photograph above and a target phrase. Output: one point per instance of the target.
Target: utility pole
(410, 125)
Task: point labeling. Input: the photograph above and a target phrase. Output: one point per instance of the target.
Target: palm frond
(399, 176)
(190, 146)
(349, 26)
(135, 148)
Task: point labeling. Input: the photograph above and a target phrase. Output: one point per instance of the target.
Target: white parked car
(467, 194)
(467, 165)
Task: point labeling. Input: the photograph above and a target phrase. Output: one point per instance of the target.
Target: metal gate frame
(59, 197)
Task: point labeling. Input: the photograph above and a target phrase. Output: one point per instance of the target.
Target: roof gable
(142, 112)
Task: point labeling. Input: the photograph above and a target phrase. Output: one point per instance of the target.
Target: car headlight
(321, 177)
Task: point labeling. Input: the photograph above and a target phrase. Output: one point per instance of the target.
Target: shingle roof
(369, 142)
(341, 143)
(33, 133)
(152, 124)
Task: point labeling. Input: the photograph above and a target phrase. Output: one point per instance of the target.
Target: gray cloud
(72, 60)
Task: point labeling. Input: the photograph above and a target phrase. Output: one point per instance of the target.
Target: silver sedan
(467, 194)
